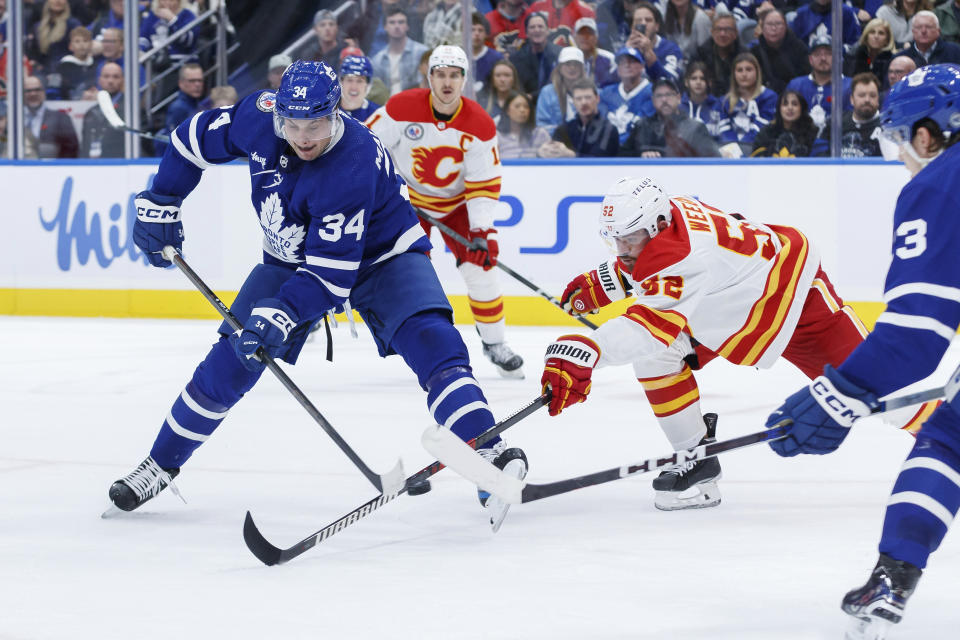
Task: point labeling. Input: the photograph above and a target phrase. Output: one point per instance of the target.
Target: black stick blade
(258, 545)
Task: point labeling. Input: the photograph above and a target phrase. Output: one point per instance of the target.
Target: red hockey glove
(569, 364)
(486, 251)
(594, 289)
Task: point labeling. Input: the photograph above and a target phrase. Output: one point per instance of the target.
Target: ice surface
(82, 401)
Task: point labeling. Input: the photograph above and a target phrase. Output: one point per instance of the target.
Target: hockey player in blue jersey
(338, 232)
(921, 121)
(356, 72)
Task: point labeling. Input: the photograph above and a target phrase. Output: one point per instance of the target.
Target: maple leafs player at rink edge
(445, 146)
(705, 284)
(920, 122)
(338, 231)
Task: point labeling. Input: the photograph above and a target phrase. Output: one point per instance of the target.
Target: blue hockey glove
(158, 225)
(822, 414)
(268, 326)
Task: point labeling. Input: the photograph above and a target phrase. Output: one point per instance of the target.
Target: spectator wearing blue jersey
(588, 134)
(817, 88)
(867, 9)
(661, 56)
(356, 72)
(813, 20)
(748, 107)
(927, 46)
(792, 133)
(112, 18)
(338, 234)
(697, 101)
(166, 18)
(599, 64)
(631, 99)
(555, 103)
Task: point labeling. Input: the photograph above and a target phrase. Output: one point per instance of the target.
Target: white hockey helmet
(630, 205)
(447, 55)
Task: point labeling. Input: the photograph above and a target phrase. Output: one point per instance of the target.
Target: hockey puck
(419, 488)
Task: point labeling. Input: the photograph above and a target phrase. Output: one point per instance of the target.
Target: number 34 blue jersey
(922, 290)
(330, 219)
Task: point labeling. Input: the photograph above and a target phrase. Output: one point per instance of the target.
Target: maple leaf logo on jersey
(283, 242)
(426, 165)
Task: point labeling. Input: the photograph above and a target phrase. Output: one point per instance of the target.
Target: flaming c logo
(426, 161)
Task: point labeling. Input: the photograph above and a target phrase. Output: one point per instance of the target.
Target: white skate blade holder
(457, 455)
(699, 496)
(873, 629)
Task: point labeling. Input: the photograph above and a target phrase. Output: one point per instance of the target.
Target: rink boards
(67, 249)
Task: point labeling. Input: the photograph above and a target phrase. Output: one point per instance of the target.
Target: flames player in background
(306, 161)
(445, 146)
(356, 73)
(921, 121)
(706, 284)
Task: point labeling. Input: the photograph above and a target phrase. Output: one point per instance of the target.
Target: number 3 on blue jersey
(333, 228)
(914, 234)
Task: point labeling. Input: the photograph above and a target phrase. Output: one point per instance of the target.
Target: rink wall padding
(68, 252)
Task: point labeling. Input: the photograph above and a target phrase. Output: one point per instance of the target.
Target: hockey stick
(517, 491)
(473, 245)
(391, 482)
(271, 555)
(115, 121)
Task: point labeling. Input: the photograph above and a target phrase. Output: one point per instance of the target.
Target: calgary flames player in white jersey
(707, 284)
(445, 147)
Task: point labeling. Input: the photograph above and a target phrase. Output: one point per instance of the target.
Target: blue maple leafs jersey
(330, 219)
(922, 289)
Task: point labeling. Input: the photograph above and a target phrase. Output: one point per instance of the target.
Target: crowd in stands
(561, 78)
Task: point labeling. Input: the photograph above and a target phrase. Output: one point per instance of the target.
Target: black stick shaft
(459, 238)
(533, 492)
(284, 379)
(270, 554)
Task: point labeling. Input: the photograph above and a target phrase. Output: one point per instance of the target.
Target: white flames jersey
(445, 164)
(738, 287)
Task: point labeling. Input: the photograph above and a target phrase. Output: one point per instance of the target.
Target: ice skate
(879, 604)
(513, 462)
(691, 485)
(140, 485)
(508, 363)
